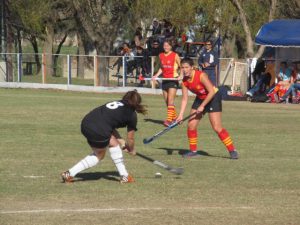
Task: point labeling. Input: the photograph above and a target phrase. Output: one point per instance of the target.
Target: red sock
(170, 113)
(226, 139)
(174, 114)
(192, 136)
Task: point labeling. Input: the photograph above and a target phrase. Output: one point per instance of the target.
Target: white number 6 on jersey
(114, 105)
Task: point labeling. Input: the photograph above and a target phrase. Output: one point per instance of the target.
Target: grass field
(40, 137)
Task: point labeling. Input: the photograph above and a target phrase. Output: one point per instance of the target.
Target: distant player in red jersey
(208, 100)
(169, 64)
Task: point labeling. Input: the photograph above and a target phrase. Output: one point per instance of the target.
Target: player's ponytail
(134, 99)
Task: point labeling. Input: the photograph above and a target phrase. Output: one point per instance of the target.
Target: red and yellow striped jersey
(194, 84)
(168, 65)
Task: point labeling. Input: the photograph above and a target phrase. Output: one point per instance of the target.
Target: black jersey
(112, 115)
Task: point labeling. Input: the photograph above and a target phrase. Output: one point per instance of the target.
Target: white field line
(120, 209)
(33, 177)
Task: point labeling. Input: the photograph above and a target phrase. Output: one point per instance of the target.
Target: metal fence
(94, 70)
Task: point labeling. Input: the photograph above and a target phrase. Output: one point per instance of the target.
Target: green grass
(40, 136)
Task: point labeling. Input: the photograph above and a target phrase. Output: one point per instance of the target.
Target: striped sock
(174, 114)
(170, 113)
(226, 139)
(192, 136)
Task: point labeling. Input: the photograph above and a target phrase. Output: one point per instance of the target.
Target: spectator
(169, 29)
(208, 61)
(294, 86)
(266, 80)
(118, 62)
(153, 52)
(130, 61)
(138, 36)
(284, 77)
(155, 27)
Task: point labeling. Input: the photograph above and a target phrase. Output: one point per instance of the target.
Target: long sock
(192, 136)
(226, 139)
(174, 114)
(117, 157)
(170, 112)
(88, 162)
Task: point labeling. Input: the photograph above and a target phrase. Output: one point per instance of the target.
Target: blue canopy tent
(282, 35)
(279, 33)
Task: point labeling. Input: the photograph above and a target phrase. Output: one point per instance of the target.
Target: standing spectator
(169, 64)
(208, 61)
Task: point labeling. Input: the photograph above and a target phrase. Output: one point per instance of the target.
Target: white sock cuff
(115, 152)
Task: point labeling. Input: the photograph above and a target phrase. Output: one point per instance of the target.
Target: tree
(245, 23)
(101, 20)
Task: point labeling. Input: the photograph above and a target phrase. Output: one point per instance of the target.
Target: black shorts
(166, 84)
(94, 140)
(215, 105)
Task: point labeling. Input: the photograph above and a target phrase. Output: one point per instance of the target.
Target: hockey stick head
(148, 140)
(177, 171)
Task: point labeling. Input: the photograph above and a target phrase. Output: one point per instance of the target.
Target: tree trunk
(56, 54)
(80, 59)
(48, 48)
(242, 15)
(103, 49)
(271, 16)
(36, 53)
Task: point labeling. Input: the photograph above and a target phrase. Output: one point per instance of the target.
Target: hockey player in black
(99, 127)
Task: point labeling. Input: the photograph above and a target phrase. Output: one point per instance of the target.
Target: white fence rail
(112, 71)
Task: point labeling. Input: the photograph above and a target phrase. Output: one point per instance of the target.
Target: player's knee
(217, 128)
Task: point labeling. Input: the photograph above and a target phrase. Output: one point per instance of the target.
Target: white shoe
(249, 93)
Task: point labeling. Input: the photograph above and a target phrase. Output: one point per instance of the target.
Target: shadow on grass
(183, 151)
(110, 175)
(154, 121)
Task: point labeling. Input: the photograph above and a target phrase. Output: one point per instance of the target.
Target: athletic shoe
(234, 154)
(249, 93)
(66, 177)
(167, 123)
(190, 154)
(128, 179)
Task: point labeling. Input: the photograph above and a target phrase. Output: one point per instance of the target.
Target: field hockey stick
(177, 171)
(141, 78)
(148, 140)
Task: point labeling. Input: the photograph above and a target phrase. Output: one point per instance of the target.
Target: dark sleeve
(200, 60)
(132, 123)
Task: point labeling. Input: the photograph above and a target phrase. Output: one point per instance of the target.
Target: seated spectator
(155, 27)
(294, 86)
(130, 61)
(266, 78)
(284, 77)
(138, 37)
(168, 30)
